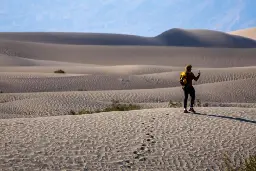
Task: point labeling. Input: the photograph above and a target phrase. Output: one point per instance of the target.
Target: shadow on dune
(172, 37)
(229, 117)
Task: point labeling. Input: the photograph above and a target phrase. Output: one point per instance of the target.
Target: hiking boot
(186, 111)
(192, 110)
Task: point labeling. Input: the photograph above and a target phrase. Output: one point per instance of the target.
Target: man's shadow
(228, 117)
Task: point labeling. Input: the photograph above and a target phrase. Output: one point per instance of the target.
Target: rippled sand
(37, 131)
(155, 139)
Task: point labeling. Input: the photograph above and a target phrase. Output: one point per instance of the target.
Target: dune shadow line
(229, 117)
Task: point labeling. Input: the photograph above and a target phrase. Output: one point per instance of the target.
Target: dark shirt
(190, 78)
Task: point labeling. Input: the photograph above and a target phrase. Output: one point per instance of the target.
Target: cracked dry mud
(152, 139)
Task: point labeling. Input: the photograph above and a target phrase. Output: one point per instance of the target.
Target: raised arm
(196, 77)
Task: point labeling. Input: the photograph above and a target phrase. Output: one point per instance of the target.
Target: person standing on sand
(186, 79)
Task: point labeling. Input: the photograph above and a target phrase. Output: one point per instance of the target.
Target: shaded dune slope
(172, 37)
(6, 60)
(131, 55)
(204, 38)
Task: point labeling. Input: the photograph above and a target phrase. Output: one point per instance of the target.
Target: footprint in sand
(141, 152)
(153, 142)
(127, 164)
(143, 159)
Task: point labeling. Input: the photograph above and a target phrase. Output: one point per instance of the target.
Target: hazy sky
(140, 17)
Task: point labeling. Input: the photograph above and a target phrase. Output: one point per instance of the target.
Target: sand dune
(249, 33)
(204, 38)
(131, 55)
(35, 134)
(156, 139)
(172, 37)
(60, 103)
(6, 60)
(94, 69)
(112, 78)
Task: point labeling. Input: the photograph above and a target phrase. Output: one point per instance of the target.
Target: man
(186, 81)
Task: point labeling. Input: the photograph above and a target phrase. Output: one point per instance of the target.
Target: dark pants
(189, 90)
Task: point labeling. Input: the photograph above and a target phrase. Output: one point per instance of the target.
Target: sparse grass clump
(84, 111)
(248, 165)
(173, 104)
(60, 71)
(198, 103)
(71, 112)
(205, 104)
(81, 89)
(115, 106)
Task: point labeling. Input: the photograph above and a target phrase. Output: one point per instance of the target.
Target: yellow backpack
(183, 78)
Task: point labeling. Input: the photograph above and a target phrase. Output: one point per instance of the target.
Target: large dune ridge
(249, 33)
(172, 37)
(39, 132)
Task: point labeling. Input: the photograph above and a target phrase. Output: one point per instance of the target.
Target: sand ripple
(156, 139)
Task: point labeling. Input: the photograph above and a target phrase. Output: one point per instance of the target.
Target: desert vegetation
(249, 164)
(198, 103)
(115, 106)
(60, 71)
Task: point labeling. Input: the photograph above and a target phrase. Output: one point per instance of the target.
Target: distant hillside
(172, 37)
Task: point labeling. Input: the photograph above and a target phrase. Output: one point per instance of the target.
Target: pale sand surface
(38, 132)
(114, 78)
(59, 103)
(156, 139)
(249, 33)
(131, 55)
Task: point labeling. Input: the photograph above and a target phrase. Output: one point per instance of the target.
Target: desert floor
(39, 133)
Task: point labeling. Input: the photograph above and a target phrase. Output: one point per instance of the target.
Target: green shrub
(121, 107)
(248, 165)
(80, 89)
(115, 106)
(59, 71)
(71, 112)
(84, 111)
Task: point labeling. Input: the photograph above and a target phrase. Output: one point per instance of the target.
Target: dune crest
(172, 37)
(249, 33)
